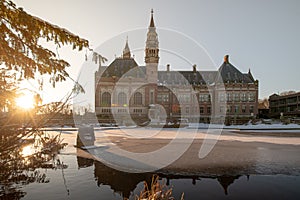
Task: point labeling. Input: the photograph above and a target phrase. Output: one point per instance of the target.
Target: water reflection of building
(240, 93)
(125, 183)
(225, 181)
(120, 182)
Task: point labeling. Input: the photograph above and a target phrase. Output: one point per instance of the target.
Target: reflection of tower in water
(121, 182)
(225, 181)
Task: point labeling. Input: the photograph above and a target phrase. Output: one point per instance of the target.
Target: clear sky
(262, 35)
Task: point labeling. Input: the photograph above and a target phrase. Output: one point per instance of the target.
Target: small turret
(126, 51)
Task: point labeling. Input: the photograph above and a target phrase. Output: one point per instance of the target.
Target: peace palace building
(125, 89)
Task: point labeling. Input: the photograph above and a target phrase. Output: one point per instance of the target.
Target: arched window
(137, 98)
(106, 99)
(122, 99)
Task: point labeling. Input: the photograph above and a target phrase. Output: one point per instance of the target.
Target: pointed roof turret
(126, 51)
(152, 20)
(250, 75)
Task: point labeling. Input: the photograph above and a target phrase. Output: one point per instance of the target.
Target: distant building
(237, 100)
(285, 105)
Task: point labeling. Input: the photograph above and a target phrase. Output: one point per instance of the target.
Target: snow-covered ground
(250, 126)
(270, 127)
(171, 134)
(278, 129)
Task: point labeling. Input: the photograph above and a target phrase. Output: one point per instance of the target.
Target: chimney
(226, 59)
(194, 68)
(168, 67)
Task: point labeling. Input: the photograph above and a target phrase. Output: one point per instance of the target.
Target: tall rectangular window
(251, 97)
(243, 97)
(201, 98)
(243, 108)
(251, 109)
(236, 109)
(228, 97)
(228, 108)
(151, 97)
(208, 110)
(201, 110)
(236, 97)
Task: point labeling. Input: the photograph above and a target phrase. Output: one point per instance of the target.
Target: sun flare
(27, 151)
(25, 101)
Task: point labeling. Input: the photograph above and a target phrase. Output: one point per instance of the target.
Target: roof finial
(226, 58)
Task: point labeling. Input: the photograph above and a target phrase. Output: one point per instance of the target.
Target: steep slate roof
(119, 67)
(190, 77)
(180, 77)
(209, 76)
(228, 73)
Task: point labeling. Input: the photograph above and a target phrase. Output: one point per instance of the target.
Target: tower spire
(152, 21)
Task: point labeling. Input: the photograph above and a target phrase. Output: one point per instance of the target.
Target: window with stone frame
(244, 108)
(163, 98)
(228, 96)
(243, 97)
(236, 97)
(229, 110)
(122, 99)
(251, 109)
(137, 98)
(236, 108)
(106, 99)
(251, 97)
(151, 97)
(201, 110)
(208, 110)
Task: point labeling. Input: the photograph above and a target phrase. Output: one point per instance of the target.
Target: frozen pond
(240, 166)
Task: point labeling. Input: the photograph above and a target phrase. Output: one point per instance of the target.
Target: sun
(27, 151)
(25, 101)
